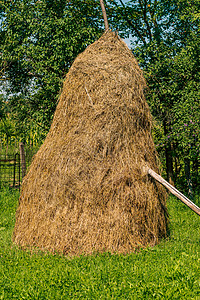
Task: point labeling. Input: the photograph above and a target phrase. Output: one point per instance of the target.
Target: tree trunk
(188, 177)
(195, 172)
(169, 164)
(1, 144)
(22, 159)
(169, 158)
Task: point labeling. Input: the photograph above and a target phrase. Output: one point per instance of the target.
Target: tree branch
(144, 11)
(126, 16)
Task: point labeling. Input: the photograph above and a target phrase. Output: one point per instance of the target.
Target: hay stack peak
(85, 191)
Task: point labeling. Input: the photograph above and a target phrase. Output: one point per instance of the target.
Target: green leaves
(170, 60)
(40, 41)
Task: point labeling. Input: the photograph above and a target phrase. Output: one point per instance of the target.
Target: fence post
(19, 168)
(23, 160)
(14, 171)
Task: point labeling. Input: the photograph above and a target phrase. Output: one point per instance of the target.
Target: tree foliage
(165, 39)
(40, 40)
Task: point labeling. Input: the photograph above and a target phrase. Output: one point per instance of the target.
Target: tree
(39, 41)
(166, 43)
(7, 126)
(174, 83)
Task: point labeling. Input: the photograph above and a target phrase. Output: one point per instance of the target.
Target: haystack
(85, 191)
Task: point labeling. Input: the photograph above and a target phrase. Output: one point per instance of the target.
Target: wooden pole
(173, 190)
(104, 15)
(22, 158)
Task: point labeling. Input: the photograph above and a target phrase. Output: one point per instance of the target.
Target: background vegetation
(40, 39)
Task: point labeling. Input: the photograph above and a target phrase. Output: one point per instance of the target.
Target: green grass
(168, 271)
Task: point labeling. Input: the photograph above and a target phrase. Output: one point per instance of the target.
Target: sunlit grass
(167, 271)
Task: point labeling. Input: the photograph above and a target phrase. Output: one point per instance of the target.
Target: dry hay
(85, 191)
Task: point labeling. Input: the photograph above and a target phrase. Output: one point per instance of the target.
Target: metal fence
(10, 171)
(11, 166)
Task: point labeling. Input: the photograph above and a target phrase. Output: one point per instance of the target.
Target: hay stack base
(84, 191)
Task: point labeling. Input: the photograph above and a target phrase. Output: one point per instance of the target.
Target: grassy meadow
(170, 270)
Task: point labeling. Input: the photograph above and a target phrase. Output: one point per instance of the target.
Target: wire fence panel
(10, 166)
(10, 174)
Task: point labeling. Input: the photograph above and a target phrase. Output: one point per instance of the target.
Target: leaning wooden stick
(173, 190)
